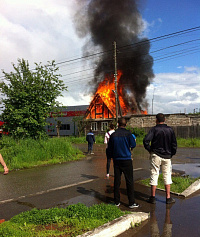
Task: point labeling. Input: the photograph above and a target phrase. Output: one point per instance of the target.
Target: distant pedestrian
(119, 148)
(4, 165)
(106, 140)
(90, 138)
(163, 146)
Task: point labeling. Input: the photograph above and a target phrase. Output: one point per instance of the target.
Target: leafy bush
(138, 132)
(29, 96)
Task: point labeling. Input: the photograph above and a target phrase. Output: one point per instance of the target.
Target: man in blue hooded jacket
(90, 138)
(119, 148)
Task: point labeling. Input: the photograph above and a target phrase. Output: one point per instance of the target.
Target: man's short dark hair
(122, 122)
(112, 126)
(160, 118)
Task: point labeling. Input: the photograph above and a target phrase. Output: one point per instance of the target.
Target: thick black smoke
(104, 21)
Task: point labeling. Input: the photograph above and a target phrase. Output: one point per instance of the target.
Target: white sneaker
(134, 205)
(107, 175)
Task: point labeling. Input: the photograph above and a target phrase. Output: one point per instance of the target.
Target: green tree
(29, 96)
(81, 124)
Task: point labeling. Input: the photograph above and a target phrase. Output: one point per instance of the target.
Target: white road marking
(137, 169)
(52, 189)
(47, 191)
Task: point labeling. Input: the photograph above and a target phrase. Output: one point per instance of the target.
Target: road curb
(118, 225)
(187, 192)
(191, 189)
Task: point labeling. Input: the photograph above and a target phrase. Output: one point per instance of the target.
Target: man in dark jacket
(163, 147)
(90, 138)
(119, 148)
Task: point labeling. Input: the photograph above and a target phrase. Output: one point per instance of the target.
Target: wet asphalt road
(84, 181)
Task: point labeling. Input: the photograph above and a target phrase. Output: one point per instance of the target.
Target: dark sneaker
(170, 200)
(117, 205)
(134, 205)
(152, 200)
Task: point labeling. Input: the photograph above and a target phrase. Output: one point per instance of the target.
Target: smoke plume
(102, 22)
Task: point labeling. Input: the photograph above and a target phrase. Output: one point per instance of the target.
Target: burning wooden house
(103, 104)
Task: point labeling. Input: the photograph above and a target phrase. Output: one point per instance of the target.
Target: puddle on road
(192, 169)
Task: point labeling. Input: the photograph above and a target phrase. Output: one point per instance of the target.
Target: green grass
(27, 153)
(78, 140)
(190, 142)
(70, 221)
(179, 184)
(182, 142)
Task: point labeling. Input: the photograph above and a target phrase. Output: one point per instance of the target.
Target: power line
(162, 37)
(120, 57)
(84, 57)
(134, 44)
(168, 56)
(175, 54)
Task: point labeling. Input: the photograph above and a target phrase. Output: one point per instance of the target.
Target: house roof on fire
(100, 99)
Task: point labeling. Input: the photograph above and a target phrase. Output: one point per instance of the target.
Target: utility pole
(116, 94)
(153, 99)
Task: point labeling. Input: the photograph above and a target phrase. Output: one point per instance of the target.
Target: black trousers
(108, 162)
(125, 167)
(90, 147)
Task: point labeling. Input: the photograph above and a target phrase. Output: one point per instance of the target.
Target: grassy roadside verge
(180, 183)
(190, 142)
(70, 221)
(27, 153)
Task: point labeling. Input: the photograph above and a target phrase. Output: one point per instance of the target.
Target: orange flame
(106, 90)
(103, 104)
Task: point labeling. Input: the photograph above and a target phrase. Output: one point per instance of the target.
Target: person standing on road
(4, 165)
(119, 148)
(163, 147)
(90, 138)
(106, 140)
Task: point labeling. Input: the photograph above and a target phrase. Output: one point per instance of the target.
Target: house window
(94, 126)
(65, 127)
(104, 126)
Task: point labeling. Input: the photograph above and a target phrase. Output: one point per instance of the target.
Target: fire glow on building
(103, 22)
(103, 105)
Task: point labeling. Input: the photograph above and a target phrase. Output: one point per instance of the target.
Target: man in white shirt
(106, 140)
